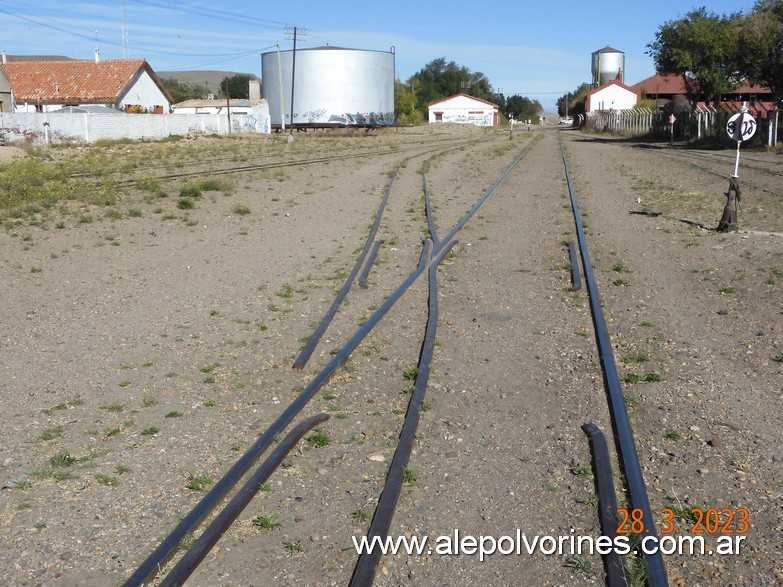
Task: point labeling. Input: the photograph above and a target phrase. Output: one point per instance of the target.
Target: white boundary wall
(43, 128)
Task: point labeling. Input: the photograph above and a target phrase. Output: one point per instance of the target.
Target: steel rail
(629, 458)
(484, 197)
(576, 278)
(370, 262)
(196, 553)
(273, 165)
(607, 504)
(367, 564)
(318, 333)
(150, 567)
(428, 211)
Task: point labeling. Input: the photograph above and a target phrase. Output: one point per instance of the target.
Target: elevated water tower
(607, 64)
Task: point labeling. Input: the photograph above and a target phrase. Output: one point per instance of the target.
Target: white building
(464, 109)
(237, 106)
(613, 95)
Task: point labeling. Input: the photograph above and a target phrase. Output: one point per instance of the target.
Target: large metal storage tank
(333, 86)
(608, 63)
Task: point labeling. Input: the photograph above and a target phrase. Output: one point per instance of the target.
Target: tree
(440, 79)
(405, 104)
(180, 92)
(701, 47)
(760, 45)
(522, 108)
(236, 86)
(573, 103)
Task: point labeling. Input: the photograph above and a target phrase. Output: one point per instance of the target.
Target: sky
(539, 51)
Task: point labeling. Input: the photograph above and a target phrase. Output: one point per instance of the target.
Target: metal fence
(703, 123)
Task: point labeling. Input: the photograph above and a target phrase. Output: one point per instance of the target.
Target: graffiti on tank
(362, 119)
(314, 115)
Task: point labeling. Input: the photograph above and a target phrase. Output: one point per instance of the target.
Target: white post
(280, 77)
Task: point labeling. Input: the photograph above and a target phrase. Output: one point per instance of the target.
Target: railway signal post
(740, 127)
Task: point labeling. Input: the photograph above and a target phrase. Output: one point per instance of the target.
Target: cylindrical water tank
(607, 65)
(332, 86)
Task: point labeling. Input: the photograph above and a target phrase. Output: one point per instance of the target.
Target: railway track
(242, 161)
(433, 253)
(146, 353)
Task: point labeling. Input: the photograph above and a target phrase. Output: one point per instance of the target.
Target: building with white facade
(613, 95)
(464, 109)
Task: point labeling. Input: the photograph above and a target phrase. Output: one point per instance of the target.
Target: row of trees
(440, 79)
(235, 86)
(714, 53)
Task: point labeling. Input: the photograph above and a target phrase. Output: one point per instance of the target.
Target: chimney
(97, 55)
(5, 58)
(620, 75)
(255, 90)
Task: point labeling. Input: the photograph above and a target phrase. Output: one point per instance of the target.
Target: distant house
(464, 109)
(613, 95)
(46, 86)
(664, 89)
(237, 106)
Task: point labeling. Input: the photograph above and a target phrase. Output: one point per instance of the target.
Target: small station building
(464, 109)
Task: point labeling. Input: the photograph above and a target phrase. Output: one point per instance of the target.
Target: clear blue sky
(540, 51)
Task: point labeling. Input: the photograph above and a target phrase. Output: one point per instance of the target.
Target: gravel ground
(143, 353)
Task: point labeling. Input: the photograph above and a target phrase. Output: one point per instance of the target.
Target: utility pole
(292, 32)
(125, 49)
(228, 107)
(280, 77)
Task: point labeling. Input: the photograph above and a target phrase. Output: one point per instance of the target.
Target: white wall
(612, 97)
(145, 92)
(462, 110)
(89, 128)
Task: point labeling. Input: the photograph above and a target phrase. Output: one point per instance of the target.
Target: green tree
(522, 108)
(701, 47)
(180, 92)
(440, 79)
(760, 45)
(573, 103)
(236, 86)
(405, 104)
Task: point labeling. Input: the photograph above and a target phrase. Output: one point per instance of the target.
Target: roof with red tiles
(83, 82)
(662, 84)
(674, 84)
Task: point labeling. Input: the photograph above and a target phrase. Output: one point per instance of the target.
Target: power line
(212, 13)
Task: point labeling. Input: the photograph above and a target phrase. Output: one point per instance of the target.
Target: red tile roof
(83, 82)
(674, 84)
(661, 84)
